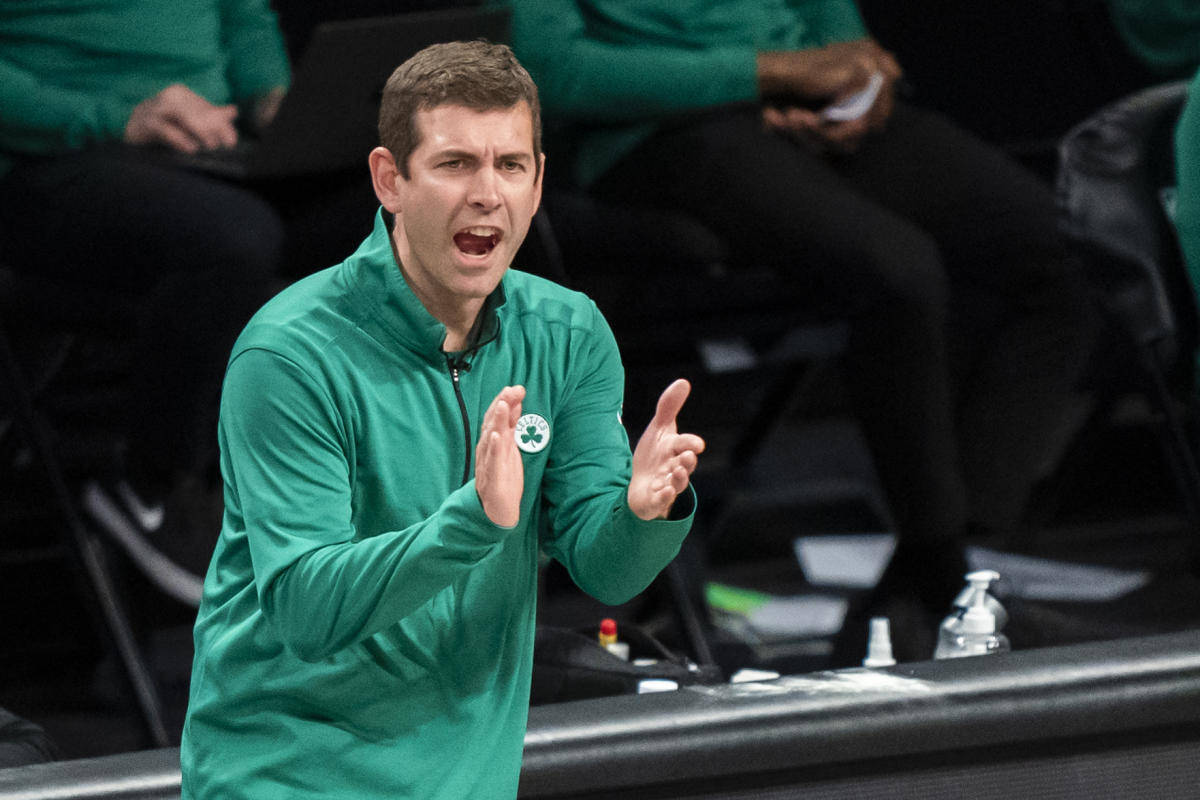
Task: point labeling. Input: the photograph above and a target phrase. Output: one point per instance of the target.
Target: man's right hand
(499, 471)
(183, 120)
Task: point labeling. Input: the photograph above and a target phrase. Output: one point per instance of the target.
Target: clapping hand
(499, 473)
(664, 459)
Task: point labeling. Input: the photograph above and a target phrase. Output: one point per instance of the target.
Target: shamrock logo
(532, 433)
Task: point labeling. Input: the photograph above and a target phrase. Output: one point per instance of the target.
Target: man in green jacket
(401, 436)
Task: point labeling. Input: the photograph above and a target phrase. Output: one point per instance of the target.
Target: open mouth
(477, 241)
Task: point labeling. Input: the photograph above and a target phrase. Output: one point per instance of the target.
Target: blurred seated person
(941, 250)
(95, 96)
(1165, 36)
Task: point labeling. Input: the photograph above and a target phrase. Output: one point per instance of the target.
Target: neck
(458, 335)
(460, 318)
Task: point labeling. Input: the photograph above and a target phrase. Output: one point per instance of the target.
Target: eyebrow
(467, 155)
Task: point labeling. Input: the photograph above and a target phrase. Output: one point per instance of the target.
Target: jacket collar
(395, 313)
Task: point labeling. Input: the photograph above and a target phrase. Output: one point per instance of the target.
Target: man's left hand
(664, 459)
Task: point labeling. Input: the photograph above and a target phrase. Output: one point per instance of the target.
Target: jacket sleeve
(609, 552)
(322, 586)
(253, 44)
(581, 77)
(831, 20)
(38, 118)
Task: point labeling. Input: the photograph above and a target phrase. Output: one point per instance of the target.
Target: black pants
(198, 254)
(942, 252)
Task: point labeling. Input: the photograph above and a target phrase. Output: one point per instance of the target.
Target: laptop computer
(328, 119)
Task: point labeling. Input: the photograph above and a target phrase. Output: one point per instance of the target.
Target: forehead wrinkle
(438, 140)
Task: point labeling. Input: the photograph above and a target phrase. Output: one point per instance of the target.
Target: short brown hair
(477, 74)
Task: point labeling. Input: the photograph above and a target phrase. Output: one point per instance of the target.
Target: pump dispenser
(879, 644)
(973, 630)
(966, 597)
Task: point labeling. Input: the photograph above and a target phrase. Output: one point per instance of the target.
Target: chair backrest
(1113, 170)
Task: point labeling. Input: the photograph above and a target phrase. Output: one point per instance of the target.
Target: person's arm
(322, 584)
(258, 70)
(42, 119)
(584, 78)
(608, 550)
(39, 118)
(831, 21)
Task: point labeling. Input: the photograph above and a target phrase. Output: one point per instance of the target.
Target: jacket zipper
(462, 408)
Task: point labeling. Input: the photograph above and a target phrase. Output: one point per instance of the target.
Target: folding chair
(21, 391)
(1116, 168)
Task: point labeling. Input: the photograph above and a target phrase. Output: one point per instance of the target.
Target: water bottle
(973, 627)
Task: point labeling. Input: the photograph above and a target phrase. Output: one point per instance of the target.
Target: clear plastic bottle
(879, 644)
(973, 627)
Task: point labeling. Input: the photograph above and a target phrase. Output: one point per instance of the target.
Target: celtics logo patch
(533, 433)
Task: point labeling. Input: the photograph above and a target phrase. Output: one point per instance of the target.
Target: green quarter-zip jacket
(366, 631)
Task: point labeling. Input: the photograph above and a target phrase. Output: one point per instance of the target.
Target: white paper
(855, 561)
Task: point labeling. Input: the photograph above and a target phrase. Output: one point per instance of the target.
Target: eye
(512, 165)
(454, 163)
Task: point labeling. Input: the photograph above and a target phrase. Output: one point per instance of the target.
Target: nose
(484, 191)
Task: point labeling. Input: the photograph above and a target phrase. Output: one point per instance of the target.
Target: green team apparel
(366, 631)
(635, 65)
(71, 73)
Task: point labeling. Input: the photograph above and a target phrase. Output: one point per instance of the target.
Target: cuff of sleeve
(467, 517)
(680, 516)
(111, 119)
(738, 68)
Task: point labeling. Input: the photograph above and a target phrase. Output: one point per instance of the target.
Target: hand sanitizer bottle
(973, 630)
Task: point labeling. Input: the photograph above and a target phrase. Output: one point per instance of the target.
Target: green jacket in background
(614, 70)
(1187, 171)
(1164, 34)
(71, 73)
(366, 631)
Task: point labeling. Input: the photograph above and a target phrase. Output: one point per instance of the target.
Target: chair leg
(690, 617)
(87, 550)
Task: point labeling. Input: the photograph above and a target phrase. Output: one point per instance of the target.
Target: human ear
(384, 177)
(541, 174)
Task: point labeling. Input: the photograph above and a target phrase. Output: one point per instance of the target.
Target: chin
(481, 286)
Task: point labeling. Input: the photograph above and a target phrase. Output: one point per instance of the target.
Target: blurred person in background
(96, 99)
(778, 126)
